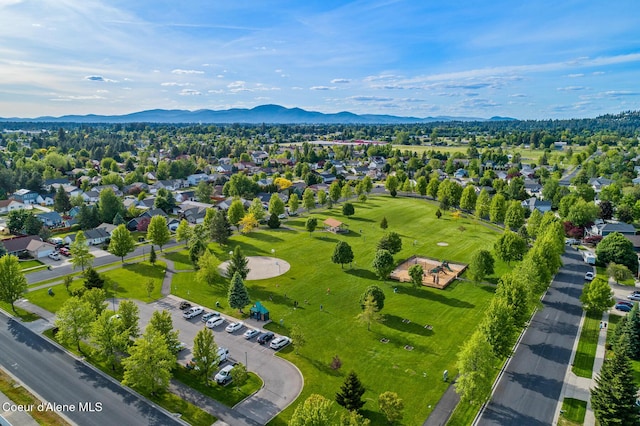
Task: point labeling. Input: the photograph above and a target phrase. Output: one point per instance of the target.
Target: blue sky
(529, 60)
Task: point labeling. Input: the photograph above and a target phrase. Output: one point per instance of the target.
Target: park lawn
(25, 316)
(228, 395)
(416, 375)
(587, 345)
(131, 279)
(573, 412)
(180, 259)
(27, 264)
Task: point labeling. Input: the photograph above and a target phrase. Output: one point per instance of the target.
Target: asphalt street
(530, 388)
(282, 380)
(85, 396)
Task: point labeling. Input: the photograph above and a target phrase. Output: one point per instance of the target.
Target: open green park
(414, 357)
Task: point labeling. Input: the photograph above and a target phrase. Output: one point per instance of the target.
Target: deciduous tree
(597, 296)
(162, 322)
(73, 321)
(157, 232)
(370, 312)
(205, 354)
(497, 209)
(475, 365)
(13, 283)
(348, 209)
(616, 248)
(510, 246)
(311, 224)
(148, 368)
(618, 272)
(390, 242)
(481, 265)
(129, 317)
(314, 411)
(416, 273)
(208, 268)
(342, 254)
(121, 243)
(468, 199)
(108, 337)
(514, 216)
(79, 248)
(183, 232)
(276, 205)
(383, 263)
(248, 223)
(498, 327)
(391, 405)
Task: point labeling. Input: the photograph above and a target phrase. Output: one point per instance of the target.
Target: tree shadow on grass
(324, 367)
(363, 273)
(376, 417)
(262, 236)
(400, 324)
(436, 296)
(360, 219)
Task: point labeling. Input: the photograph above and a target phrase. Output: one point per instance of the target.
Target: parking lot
(282, 380)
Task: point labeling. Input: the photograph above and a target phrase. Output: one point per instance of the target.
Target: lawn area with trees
(415, 374)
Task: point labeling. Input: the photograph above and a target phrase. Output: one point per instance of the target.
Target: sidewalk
(580, 387)
(13, 417)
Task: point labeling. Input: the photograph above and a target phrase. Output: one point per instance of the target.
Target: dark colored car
(265, 337)
(184, 305)
(623, 307)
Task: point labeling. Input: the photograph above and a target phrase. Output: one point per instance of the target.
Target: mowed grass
(573, 412)
(229, 395)
(180, 259)
(587, 345)
(131, 279)
(416, 374)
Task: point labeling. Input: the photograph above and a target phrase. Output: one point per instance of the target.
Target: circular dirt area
(441, 244)
(261, 267)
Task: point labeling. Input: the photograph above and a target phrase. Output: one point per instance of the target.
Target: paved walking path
(444, 408)
(580, 387)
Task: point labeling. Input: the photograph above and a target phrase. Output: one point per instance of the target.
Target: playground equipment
(441, 267)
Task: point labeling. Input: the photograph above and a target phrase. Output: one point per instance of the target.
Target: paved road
(282, 380)
(63, 267)
(530, 388)
(59, 378)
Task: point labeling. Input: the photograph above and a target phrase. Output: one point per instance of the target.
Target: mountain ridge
(268, 114)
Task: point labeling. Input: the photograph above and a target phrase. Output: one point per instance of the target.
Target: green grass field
(28, 264)
(131, 279)
(587, 345)
(180, 259)
(416, 375)
(228, 395)
(573, 412)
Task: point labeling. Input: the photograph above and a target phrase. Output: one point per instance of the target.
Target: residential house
(188, 195)
(604, 229)
(536, 204)
(114, 188)
(91, 196)
(48, 184)
(71, 190)
(25, 196)
(97, 236)
(598, 183)
(193, 215)
(50, 219)
(532, 187)
(18, 245)
(45, 199)
(154, 212)
(9, 205)
(39, 249)
(460, 174)
(195, 179)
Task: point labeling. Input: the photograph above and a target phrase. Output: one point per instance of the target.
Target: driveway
(282, 380)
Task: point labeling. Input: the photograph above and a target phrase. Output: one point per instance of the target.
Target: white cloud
(571, 88)
(575, 75)
(340, 81)
(321, 88)
(173, 83)
(189, 92)
(181, 71)
(370, 99)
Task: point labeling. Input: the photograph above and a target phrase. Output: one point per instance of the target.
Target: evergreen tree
(220, 228)
(61, 201)
(273, 222)
(383, 223)
(238, 264)
(614, 398)
(351, 391)
(92, 279)
(348, 209)
(238, 296)
(153, 256)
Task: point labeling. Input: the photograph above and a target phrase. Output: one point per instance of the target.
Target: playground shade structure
(438, 273)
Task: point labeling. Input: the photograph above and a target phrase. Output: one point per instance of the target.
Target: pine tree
(153, 256)
(351, 391)
(238, 296)
(273, 221)
(238, 264)
(613, 399)
(383, 223)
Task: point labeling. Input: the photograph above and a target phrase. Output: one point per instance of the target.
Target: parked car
(64, 251)
(279, 342)
(571, 241)
(282, 216)
(180, 346)
(265, 337)
(207, 315)
(223, 355)
(623, 307)
(633, 296)
(214, 322)
(224, 376)
(54, 256)
(589, 276)
(184, 305)
(234, 326)
(251, 333)
(193, 312)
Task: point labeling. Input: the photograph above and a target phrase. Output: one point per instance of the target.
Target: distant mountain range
(269, 114)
